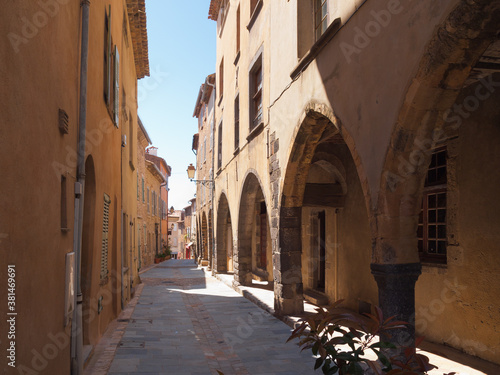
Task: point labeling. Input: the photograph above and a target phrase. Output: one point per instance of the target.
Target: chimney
(152, 151)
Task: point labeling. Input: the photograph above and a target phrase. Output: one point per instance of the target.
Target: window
(238, 30)
(104, 246)
(64, 210)
(205, 149)
(221, 78)
(256, 94)
(147, 196)
(237, 122)
(159, 205)
(153, 203)
(221, 19)
(143, 200)
(219, 155)
(131, 147)
(253, 5)
(431, 232)
(111, 71)
(211, 134)
(320, 17)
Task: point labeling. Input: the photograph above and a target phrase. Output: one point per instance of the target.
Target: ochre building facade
(355, 158)
(68, 163)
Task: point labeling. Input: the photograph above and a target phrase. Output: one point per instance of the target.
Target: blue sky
(181, 55)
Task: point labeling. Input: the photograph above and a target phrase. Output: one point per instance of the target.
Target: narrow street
(187, 323)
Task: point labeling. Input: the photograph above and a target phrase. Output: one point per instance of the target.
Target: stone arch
(451, 54)
(245, 262)
(224, 253)
(321, 144)
(321, 124)
(447, 63)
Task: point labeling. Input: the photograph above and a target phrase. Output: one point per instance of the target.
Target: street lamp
(191, 170)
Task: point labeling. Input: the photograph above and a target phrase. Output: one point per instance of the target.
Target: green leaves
(340, 339)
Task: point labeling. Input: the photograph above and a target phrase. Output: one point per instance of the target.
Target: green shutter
(143, 190)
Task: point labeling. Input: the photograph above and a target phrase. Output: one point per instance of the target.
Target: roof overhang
(213, 11)
(136, 10)
(155, 171)
(145, 135)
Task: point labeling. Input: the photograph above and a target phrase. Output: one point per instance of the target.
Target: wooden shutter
(116, 84)
(105, 230)
(219, 156)
(109, 53)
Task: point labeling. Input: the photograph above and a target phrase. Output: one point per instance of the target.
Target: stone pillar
(242, 262)
(396, 295)
(288, 289)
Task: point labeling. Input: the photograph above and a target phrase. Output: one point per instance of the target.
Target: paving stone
(186, 322)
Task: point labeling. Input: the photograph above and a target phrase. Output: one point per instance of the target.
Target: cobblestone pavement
(189, 324)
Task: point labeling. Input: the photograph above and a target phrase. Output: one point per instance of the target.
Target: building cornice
(136, 10)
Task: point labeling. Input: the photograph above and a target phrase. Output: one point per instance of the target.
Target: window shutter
(109, 56)
(212, 133)
(116, 85)
(219, 158)
(143, 190)
(105, 229)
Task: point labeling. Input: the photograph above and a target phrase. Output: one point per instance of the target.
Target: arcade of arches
(421, 242)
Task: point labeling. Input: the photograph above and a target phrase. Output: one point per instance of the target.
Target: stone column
(288, 289)
(242, 262)
(396, 295)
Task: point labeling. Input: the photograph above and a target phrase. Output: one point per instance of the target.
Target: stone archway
(224, 254)
(253, 255)
(423, 122)
(319, 169)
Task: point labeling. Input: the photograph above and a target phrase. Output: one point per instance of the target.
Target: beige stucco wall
(41, 76)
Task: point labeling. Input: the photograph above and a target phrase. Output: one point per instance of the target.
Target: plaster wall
(364, 91)
(40, 75)
(142, 209)
(33, 157)
(456, 302)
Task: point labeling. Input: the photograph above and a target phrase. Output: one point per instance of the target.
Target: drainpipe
(76, 326)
